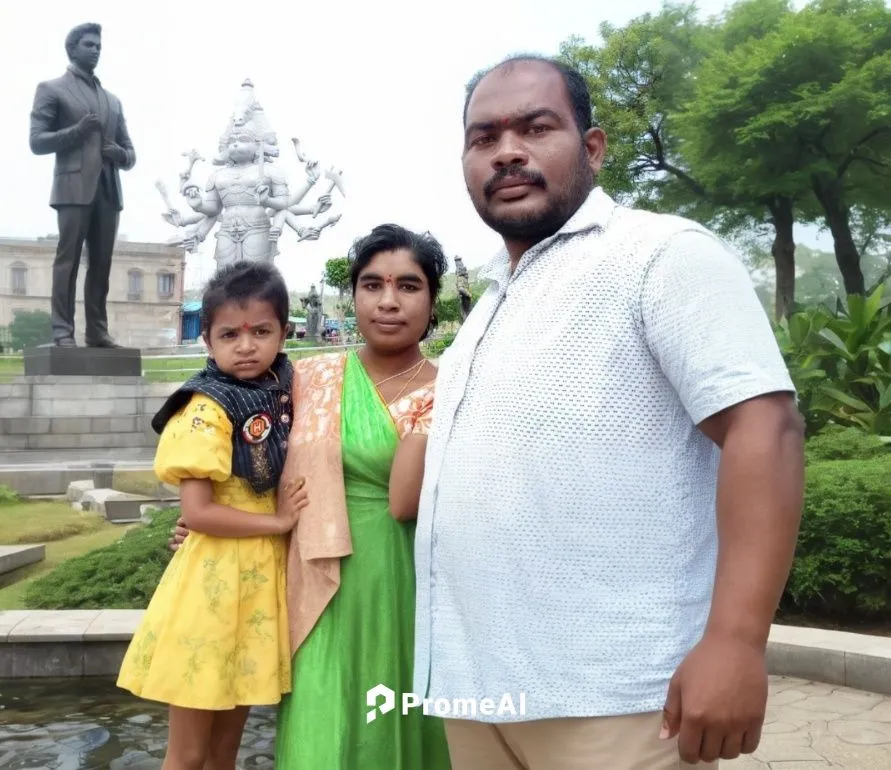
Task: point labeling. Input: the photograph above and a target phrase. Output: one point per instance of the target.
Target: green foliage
(638, 78)
(766, 116)
(448, 307)
(436, 347)
(30, 328)
(840, 362)
(337, 276)
(842, 565)
(8, 496)
(838, 443)
(123, 575)
(337, 273)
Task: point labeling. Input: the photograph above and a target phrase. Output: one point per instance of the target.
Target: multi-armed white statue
(249, 196)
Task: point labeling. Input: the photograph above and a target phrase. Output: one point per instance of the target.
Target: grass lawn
(163, 369)
(66, 533)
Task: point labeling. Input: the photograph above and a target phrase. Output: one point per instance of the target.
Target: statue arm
(299, 196)
(122, 138)
(45, 139)
(210, 204)
(278, 193)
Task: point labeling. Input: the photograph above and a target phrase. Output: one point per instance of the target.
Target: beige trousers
(603, 743)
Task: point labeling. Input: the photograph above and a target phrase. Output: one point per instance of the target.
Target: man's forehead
(519, 89)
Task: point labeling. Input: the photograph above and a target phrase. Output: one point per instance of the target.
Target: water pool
(89, 724)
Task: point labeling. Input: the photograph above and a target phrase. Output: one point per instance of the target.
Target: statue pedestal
(82, 362)
(62, 412)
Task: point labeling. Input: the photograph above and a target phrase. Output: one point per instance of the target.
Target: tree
(643, 79)
(801, 115)
(639, 77)
(337, 276)
(30, 328)
(759, 186)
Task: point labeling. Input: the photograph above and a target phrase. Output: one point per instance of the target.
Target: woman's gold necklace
(417, 367)
(400, 374)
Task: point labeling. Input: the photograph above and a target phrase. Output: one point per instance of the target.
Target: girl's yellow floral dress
(215, 634)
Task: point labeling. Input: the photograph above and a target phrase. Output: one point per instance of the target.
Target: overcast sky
(374, 88)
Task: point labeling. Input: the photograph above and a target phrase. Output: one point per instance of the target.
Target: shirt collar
(594, 213)
(83, 75)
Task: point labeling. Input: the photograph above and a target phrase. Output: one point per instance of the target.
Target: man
(83, 124)
(614, 476)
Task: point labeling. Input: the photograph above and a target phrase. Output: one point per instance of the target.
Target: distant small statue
(462, 283)
(312, 303)
(80, 122)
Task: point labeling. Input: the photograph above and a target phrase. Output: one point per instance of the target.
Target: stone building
(145, 295)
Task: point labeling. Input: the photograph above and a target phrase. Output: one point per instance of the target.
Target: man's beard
(536, 226)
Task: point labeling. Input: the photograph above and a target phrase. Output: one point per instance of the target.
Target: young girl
(214, 639)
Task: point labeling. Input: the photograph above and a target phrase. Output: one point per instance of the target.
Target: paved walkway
(811, 726)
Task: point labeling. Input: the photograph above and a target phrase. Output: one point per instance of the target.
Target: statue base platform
(82, 362)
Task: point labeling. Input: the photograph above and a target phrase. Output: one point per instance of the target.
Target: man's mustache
(515, 172)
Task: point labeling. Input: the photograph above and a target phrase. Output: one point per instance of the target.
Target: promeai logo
(371, 699)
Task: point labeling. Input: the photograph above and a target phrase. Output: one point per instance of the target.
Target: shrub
(842, 563)
(840, 362)
(8, 496)
(838, 443)
(437, 346)
(123, 575)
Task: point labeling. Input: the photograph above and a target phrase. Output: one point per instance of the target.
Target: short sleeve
(705, 326)
(195, 444)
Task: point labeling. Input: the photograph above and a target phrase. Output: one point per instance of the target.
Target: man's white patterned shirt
(566, 539)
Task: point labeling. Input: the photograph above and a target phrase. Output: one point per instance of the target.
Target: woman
(359, 435)
(358, 438)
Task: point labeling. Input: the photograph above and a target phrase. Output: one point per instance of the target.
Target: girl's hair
(425, 249)
(241, 283)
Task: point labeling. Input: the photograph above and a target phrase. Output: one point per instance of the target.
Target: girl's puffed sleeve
(195, 444)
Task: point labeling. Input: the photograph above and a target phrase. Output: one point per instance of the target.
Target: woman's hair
(425, 249)
(241, 283)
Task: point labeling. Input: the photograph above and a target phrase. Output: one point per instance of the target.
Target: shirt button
(284, 399)
(286, 419)
(284, 444)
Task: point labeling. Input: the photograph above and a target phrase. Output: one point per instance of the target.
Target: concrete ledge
(860, 661)
(13, 557)
(54, 643)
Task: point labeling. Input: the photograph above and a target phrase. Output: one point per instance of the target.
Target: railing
(201, 356)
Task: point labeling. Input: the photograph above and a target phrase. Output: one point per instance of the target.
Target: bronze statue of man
(83, 124)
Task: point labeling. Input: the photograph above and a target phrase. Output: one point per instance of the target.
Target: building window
(134, 285)
(19, 277)
(166, 285)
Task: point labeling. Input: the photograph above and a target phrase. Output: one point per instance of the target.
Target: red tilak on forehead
(388, 279)
(246, 327)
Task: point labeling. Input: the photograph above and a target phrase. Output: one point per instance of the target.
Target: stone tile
(745, 762)
(19, 425)
(774, 749)
(53, 626)
(16, 407)
(862, 732)
(71, 425)
(844, 702)
(113, 626)
(9, 619)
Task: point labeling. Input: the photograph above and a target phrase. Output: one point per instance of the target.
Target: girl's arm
(202, 514)
(406, 477)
